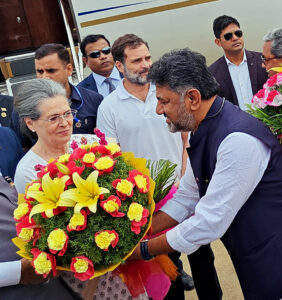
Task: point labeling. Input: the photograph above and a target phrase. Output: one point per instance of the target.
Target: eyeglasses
(266, 60)
(228, 35)
(97, 53)
(68, 115)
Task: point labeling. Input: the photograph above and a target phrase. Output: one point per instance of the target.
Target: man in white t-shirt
(129, 113)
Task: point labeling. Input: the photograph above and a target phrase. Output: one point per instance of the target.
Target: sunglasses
(97, 53)
(228, 36)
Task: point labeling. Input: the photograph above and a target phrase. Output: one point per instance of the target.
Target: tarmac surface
(225, 271)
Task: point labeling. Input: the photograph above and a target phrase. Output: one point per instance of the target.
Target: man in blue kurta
(232, 188)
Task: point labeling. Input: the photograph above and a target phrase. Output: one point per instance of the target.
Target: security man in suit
(239, 72)
(96, 50)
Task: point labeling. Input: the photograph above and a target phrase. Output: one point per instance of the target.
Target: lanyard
(76, 120)
(79, 94)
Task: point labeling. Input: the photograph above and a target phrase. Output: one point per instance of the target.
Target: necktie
(110, 84)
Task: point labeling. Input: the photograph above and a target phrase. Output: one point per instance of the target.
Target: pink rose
(279, 79)
(271, 82)
(258, 99)
(260, 93)
(271, 95)
(277, 101)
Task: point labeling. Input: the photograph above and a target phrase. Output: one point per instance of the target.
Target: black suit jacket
(89, 83)
(258, 75)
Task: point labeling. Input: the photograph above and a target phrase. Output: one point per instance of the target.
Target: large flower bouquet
(267, 104)
(86, 212)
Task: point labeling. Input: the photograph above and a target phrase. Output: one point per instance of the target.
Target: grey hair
(30, 95)
(275, 36)
(182, 70)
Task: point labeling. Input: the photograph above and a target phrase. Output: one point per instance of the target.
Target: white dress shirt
(237, 173)
(10, 273)
(240, 77)
(102, 86)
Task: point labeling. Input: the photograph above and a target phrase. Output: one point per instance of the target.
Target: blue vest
(254, 238)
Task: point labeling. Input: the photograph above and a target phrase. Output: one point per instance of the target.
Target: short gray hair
(30, 94)
(275, 36)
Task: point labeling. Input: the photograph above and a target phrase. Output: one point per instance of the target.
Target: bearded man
(227, 192)
(129, 115)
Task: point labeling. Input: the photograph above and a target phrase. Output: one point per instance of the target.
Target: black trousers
(176, 291)
(204, 274)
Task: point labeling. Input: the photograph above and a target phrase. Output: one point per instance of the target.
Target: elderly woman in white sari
(45, 114)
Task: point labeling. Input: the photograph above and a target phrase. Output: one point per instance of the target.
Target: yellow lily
(277, 69)
(86, 193)
(49, 196)
(62, 168)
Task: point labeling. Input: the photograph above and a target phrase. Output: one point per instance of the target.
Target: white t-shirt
(138, 128)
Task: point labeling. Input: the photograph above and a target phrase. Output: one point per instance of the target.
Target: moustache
(144, 71)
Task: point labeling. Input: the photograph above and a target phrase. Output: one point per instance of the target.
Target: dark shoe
(187, 281)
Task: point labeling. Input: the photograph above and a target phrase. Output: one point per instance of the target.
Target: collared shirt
(138, 128)
(86, 103)
(204, 220)
(241, 81)
(102, 86)
(10, 273)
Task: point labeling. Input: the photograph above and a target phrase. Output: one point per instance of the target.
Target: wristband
(144, 250)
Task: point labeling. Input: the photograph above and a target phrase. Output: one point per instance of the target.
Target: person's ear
(69, 69)
(120, 66)
(29, 123)
(217, 42)
(85, 60)
(193, 96)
